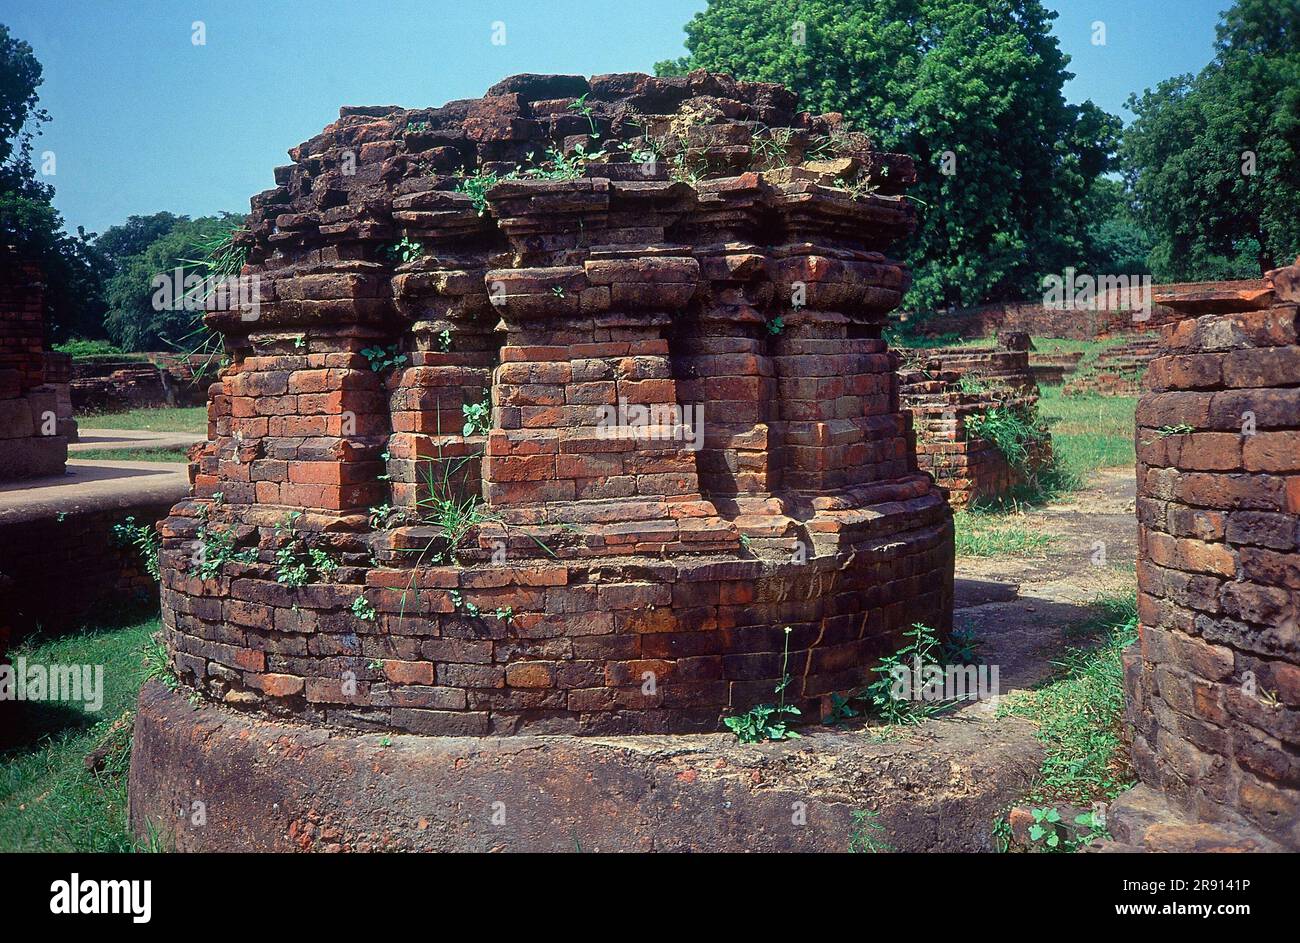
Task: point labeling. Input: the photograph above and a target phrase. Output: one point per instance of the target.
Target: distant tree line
(1015, 182)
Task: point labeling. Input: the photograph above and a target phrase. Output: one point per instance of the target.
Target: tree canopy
(146, 247)
(1214, 159)
(973, 87)
(73, 270)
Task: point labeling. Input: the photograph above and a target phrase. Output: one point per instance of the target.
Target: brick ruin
(695, 453)
(1117, 370)
(945, 387)
(1213, 688)
(135, 381)
(35, 412)
(1108, 317)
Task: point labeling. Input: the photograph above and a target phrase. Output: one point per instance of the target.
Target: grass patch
(1080, 714)
(49, 801)
(1089, 431)
(129, 455)
(992, 534)
(161, 419)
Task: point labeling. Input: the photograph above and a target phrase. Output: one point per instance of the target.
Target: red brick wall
(1214, 686)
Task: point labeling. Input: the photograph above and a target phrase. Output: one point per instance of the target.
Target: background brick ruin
(1214, 685)
(613, 582)
(967, 466)
(35, 412)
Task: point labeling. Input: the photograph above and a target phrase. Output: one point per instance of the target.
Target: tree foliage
(134, 321)
(1190, 153)
(72, 268)
(977, 81)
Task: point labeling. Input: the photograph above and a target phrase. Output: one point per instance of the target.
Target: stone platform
(276, 786)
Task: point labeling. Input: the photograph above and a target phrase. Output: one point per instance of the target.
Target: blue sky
(144, 120)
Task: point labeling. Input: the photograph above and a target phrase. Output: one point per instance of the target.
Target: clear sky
(145, 120)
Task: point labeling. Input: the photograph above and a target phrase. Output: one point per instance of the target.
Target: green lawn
(49, 801)
(163, 419)
(1090, 432)
(981, 533)
(130, 455)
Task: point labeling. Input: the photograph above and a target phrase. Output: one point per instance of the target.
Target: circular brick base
(211, 779)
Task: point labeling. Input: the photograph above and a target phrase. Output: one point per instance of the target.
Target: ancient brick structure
(945, 387)
(1117, 370)
(694, 454)
(1111, 315)
(34, 418)
(1051, 369)
(1214, 685)
(113, 384)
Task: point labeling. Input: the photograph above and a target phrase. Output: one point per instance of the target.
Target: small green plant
(322, 562)
(766, 721)
(384, 516)
(144, 538)
(842, 709)
(557, 291)
(1181, 428)
(383, 359)
(363, 610)
(158, 662)
(581, 107)
(406, 250)
(289, 570)
(505, 613)
(217, 548)
(477, 187)
(867, 836)
(1044, 827)
(444, 341)
(1049, 832)
(478, 418)
(776, 325)
(923, 649)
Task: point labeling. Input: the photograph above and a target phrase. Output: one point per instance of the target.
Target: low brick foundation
(1117, 370)
(635, 566)
(105, 384)
(1214, 685)
(966, 466)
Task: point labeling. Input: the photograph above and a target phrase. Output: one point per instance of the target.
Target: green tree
(118, 242)
(1116, 243)
(73, 269)
(973, 83)
(134, 320)
(1213, 160)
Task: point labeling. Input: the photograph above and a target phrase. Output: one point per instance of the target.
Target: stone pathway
(133, 439)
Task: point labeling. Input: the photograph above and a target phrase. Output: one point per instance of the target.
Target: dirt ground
(1026, 610)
